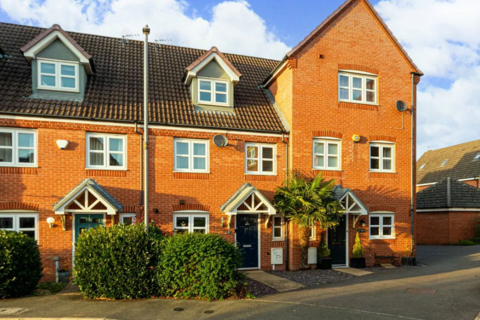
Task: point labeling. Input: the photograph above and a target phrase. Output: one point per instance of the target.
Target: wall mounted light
(155, 211)
(363, 223)
(50, 221)
(62, 144)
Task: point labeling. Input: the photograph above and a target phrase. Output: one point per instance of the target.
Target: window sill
(17, 166)
(325, 169)
(107, 169)
(59, 89)
(278, 240)
(259, 174)
(360, 106)
(383, 238)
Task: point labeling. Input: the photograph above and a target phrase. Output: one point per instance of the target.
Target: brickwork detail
(356, 67)
(438, 228)
(14, 205)
(22, 171)
(378, 137)
(106, 173)
(327, 133)
(382, 208)
(189, 207)
(252, 178)
(191, 176)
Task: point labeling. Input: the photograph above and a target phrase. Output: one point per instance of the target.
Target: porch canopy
(248, 199)
(88, 197)
(350, 203)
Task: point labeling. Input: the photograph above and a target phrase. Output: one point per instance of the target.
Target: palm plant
(306, 201)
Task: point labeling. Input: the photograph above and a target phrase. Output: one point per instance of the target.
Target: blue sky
(441, 36)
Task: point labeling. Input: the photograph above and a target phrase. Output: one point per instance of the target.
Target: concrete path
(278, 283)
(353, 271)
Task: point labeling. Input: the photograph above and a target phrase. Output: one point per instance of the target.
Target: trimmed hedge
(199, 266)
(20, 264)
(118, 262)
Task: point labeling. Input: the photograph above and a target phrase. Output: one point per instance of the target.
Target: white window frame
(326, 142)
(313, 233)
(191, 156)
(281, 227)
(106, 152)
(444, 163)
(381, 145)
(381, 225)
(16, 221)
(259, 158)
(191, 215)
(58, 76)
(15, 148)
(213, 92)
(127, 215)
(364, 77)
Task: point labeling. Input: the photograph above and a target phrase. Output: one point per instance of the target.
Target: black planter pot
(64, 276)
(357, 263)
(409, 261)
(324, 263)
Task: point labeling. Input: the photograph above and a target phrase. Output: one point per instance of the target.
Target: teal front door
(86, 221)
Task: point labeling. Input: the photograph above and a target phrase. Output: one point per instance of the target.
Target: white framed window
(382, 225)
(422, 166)
(191, 155)
(213, 91)
(26, 223)
(18, 148)
(260, 159)
(382, 157)
(58, 75)
(312, 233)
(357, 88)
(444, 163)
(327, 154)
(127, 218)
(106, 151)
(190, 222)
(277, 228)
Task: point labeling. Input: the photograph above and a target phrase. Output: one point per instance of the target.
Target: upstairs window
(422, 166)
(357, 88)
(326, 154)
(382, 157)
(56, 75)
(260, 159)
(18, 148)
(477, 157)
(444, 163)
(106, 151)
(191, 155)
(213, 92)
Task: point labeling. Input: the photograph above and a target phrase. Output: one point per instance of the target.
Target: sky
(440, 35)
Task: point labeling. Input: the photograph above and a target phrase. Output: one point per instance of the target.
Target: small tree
(357, 251)
(307, 201)
(323, 251)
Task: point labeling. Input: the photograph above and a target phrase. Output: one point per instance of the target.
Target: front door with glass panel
(337, 242)
(87, 221)
(247, 239)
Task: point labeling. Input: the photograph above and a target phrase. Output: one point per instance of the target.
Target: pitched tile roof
(460, 165)
(115, 91)
(462, 196)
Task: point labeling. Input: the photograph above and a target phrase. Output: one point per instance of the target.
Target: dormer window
(213, 92)
(56, 75)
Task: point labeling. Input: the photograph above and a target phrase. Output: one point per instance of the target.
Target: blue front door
(86, 221)
(247, 239)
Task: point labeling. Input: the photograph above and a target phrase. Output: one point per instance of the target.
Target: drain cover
(178, 309)
(209, 311)
(421, 291)
(12, 311)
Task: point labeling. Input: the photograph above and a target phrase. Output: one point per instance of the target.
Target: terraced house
(71, 137)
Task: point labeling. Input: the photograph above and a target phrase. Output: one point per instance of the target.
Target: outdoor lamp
(50, 221)
(363, 223)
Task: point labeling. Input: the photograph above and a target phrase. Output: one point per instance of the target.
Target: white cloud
(443, 39)
(233, 27)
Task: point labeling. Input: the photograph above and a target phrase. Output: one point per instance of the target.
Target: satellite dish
(220, 140)
(401, 106)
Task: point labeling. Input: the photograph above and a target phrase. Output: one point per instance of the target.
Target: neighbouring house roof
(242, 194)
(449, 194)
(330, 19)
(461, 163)
(91, 185)
(115, 91)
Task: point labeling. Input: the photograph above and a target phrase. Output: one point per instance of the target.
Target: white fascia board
(426, 184)
(449, 210)
(193, 73)
(276, 73)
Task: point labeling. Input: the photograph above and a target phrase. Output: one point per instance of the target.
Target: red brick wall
(436, 228)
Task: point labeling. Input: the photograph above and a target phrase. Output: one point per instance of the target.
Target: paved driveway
(447, 288)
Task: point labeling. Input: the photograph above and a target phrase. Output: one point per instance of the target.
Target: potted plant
(357, 260)
(64, 273)
(324, 262)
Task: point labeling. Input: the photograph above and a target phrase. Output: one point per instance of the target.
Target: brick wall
(436, 228)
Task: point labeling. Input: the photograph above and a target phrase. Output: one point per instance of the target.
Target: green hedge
(117, 262)
(20, 264)
(199, 266)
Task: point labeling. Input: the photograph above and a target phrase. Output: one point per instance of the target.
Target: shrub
(323, 251)
(199, 266)
(466, 243)
(117, 262)
(20, 264)
(357, 251)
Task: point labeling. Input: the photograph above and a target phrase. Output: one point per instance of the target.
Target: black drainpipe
(141, 163)
(286, 221)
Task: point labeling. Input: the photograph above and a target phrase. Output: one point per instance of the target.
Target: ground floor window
(312, 233)
(20, 222)
(190, 222)
(278, 228)
(382, 226)
(127, 218)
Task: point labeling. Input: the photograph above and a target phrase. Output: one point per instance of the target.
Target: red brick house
(71, 137)
(448, 198)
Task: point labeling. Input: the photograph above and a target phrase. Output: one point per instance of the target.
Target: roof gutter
(275, 71)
